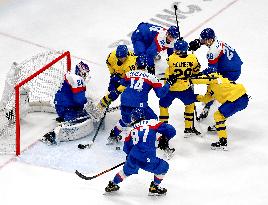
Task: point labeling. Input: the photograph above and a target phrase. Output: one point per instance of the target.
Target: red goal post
(23, 82)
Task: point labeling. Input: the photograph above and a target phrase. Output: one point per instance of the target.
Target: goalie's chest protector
(71, 87)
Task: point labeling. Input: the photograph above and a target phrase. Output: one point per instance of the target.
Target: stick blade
(83, 176)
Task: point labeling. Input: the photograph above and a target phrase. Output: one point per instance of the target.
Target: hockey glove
(172, 79)
(163, 143)
(151, 70)
(115, 79)
(194, 45)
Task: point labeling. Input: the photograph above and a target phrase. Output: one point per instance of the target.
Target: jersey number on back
(228, 51)
(136, 134)
(136, 85)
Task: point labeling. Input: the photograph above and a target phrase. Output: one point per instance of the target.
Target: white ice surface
(197, 175)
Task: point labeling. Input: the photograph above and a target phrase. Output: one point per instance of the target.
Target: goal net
(29, 87)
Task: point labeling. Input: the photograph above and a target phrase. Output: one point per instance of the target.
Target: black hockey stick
(84, 146)
(176, 8)
(95, 176)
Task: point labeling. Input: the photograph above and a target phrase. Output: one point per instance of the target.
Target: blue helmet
(181, 45)
(141, 61)
(121, 51)
(174, 31)
(207, 33)
(82, 69)
(137, 115)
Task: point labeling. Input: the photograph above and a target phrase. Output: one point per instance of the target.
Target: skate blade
(188, 135)
(110, 143)
(219, 148)
(168, 156)
(156, 194)
(111, 193)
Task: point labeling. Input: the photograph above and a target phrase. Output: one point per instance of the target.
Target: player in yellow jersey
(182, 65)
(119, 63)
(231, 96)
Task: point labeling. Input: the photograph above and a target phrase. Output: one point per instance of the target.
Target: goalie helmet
(174, 31)
(181, 45)
(121, 51)
(137, 115)
(82, 69)
(207, 33)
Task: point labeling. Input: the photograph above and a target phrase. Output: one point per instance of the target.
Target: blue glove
(209, 70)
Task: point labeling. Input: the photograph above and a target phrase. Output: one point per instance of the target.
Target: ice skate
(220, 145)
(111, 187)
(59, 119)
(212, 128)
(169, 152)
(112, 139)
(49, 138)
(203, 114)
(188, 132)
(156, 190)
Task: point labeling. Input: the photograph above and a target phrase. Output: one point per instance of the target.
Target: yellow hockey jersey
(183, 67)
(116, 67)
(219, 88)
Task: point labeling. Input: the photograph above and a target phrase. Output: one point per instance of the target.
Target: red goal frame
(17, 93)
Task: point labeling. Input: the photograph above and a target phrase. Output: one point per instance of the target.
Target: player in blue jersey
(70, 99)
(222, 58)
(136, 87)
(140, 147)
(149, 40)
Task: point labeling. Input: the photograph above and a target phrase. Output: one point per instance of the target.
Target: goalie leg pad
(73, 131)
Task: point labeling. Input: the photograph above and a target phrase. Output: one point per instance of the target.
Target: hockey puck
(81, 146)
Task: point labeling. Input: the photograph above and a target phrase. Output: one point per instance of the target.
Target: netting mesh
(36, 95)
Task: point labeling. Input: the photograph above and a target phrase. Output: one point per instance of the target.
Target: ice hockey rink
(90, 30)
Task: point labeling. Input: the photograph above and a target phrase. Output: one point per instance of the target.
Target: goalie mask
(82, 70)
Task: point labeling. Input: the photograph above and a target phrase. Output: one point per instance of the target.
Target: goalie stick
(84, 146)
(111, 109)
(97, 175)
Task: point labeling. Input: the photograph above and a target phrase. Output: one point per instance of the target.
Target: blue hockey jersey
(224, 59)
(141, 142)
(149, 40)
(72, 92)
(138, 85)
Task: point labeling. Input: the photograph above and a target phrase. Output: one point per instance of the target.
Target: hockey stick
(84, 146)
(77, 120)
(176, 8)
(95, 176)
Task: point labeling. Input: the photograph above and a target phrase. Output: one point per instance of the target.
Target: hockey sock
(119, 177)
(164, 115)
(119, 127)
(158, 178)
(189, 115)
(220, 124)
